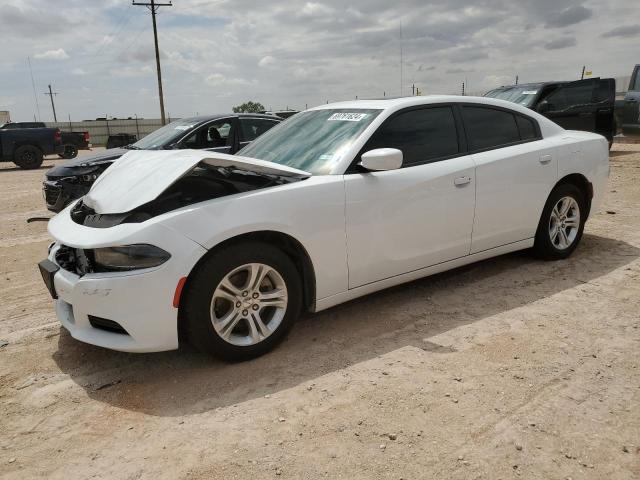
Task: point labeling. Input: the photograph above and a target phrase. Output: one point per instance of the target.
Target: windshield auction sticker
(347, 117)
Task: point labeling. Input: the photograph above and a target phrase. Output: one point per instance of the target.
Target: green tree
(249, 107)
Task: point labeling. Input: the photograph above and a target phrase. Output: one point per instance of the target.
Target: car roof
(216, 116)
(394, 104)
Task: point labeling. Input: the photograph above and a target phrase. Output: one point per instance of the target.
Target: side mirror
(543, 107)
(381, 159)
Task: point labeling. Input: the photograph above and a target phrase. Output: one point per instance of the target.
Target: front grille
(51, 193)
(107, 325)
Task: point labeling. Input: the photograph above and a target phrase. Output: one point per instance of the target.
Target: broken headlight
(128, 257)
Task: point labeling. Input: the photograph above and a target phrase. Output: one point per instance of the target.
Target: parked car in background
(586, 105)
(72, 141)
(26, 147)
(225, 133)
(337, 202)
(631, 110)
(120, 140)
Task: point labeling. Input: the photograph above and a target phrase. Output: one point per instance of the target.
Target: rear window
(526, 127)
(489, 128)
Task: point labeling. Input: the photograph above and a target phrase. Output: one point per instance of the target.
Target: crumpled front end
(131, 311)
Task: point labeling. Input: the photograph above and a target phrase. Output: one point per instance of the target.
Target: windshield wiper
(131, 147)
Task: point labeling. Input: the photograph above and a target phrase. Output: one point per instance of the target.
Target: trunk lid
(139, 177)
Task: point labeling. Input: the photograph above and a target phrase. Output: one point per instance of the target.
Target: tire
(27, 157)
(559, 235)
(70, 151)
(220, 322)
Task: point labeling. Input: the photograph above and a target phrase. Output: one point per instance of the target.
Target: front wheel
(562, 223)
(241, 301)
(28, 157)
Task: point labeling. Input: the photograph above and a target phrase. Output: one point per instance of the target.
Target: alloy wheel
(249, 304)
(564, 223)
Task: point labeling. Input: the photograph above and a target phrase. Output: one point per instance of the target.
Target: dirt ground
(509, 368)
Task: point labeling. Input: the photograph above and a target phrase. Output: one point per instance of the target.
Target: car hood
(80, 166)
(138, 177)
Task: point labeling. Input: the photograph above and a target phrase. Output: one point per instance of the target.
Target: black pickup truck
(72, 141)
(26, 147)
(630, 114)
(581, 105)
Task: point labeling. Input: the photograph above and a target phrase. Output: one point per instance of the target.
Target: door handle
(544, 159)
(461, 181)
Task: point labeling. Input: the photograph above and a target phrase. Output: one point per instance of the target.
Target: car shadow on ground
(186, 382)
(18, 169)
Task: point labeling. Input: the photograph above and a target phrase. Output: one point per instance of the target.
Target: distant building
(5, 117)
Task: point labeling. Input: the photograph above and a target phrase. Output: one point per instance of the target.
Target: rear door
(515, 171)
(631, 112)
(251, 128)
(583, 105)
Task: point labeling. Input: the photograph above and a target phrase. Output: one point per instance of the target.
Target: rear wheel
(27, 157)
(562, 223)
(242, 301)
(70, 151)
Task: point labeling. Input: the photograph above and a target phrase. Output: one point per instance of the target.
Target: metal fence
(101, 129)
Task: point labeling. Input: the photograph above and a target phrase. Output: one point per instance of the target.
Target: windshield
(313, 141)
(521, 94)
(166, 135)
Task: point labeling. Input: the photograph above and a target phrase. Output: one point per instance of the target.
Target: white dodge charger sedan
(334, 203)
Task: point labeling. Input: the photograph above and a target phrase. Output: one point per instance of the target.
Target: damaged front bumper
(60, 193)
(128, 311)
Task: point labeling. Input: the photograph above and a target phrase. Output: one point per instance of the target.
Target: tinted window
(212, 135)
(579, 93)
(251, 128)
(489, 128)
(636, 85)
(422, 135)
(526, 127)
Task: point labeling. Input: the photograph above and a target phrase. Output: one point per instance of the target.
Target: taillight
(87, 137)
(57, 136)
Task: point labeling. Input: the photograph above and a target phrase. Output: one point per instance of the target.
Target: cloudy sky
(218, 53)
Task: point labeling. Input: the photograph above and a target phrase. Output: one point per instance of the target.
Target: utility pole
(53, 106)
(153, 8)
(516, 79)
(582, 75)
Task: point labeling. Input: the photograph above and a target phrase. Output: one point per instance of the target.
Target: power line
(153, 8)
(33, 84)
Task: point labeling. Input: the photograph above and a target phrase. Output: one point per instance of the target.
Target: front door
(420, 215)
(217, 136)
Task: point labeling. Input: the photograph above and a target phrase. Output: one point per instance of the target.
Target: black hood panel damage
(200, 184)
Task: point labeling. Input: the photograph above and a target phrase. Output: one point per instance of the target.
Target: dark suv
(581, 105)
(226, 133)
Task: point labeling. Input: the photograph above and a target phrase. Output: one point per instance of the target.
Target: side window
(571, 95)
(489, 128)
(527, 128)
(422, 135)
(212, 135)
(636, 84)
(252, 128)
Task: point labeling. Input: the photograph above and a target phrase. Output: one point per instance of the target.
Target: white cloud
(58, 54)
(217, 79)
(78, 71)
(266, 61)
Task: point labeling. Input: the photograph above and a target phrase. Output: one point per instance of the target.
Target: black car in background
(581, 105)
(225, 133)
(630, 114)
